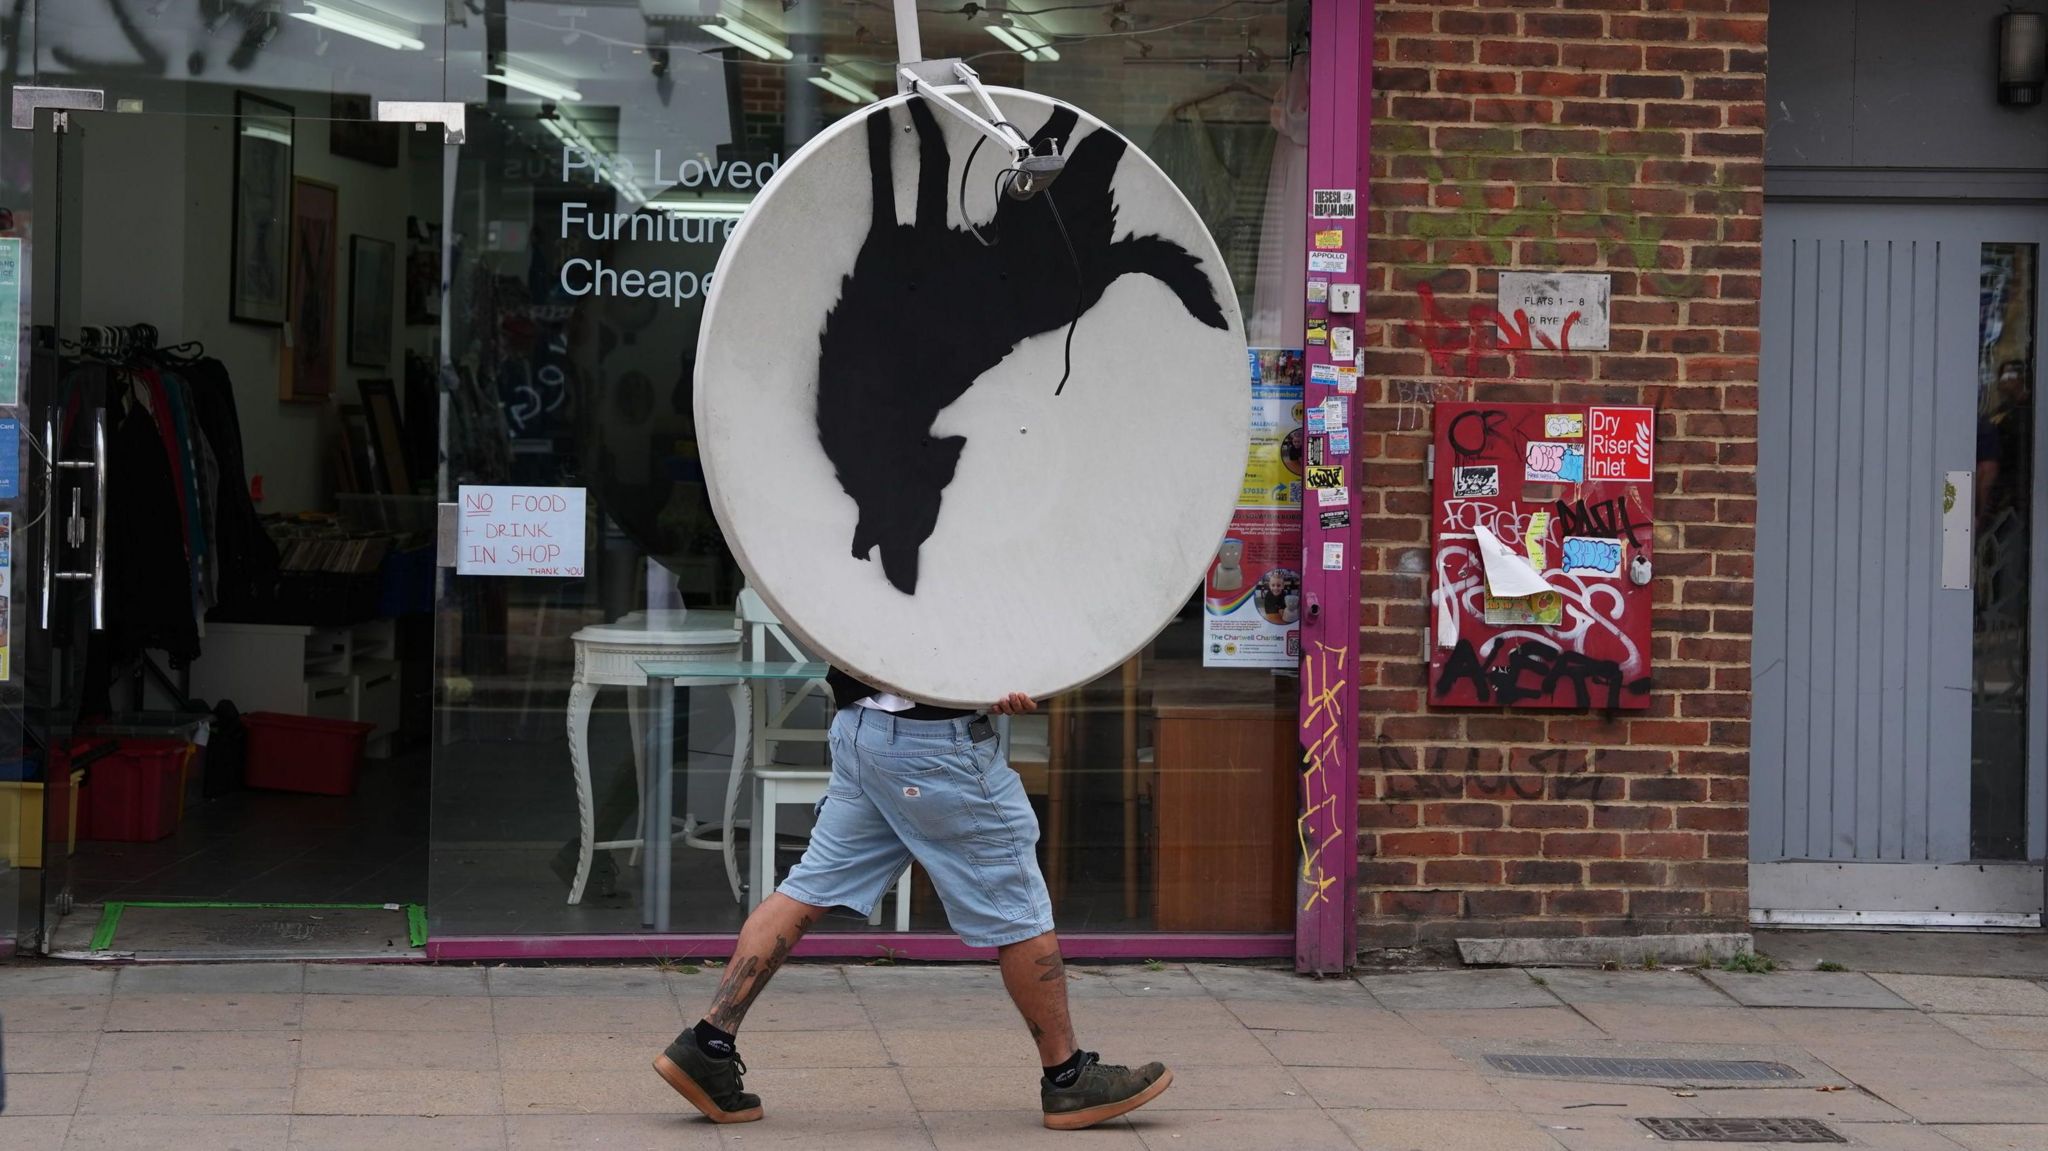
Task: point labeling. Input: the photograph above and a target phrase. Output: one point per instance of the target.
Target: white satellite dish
(1023, 528)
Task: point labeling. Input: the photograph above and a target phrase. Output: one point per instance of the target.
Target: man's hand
(1015, 703)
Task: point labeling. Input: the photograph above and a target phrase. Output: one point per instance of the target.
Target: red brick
(1664, 845)
(1543, 872)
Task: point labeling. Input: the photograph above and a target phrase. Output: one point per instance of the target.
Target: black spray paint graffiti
(1472, 432)
(1457, 773)
(1534, 669)
(928, 308)
(1607, 518)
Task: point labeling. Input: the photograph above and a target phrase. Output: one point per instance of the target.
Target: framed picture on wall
(259, 242)
(387, 436)
(356, 133)
(307, 371)
(372, 288)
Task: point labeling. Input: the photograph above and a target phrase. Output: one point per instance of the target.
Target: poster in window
(1273, 463)
(1251, 597)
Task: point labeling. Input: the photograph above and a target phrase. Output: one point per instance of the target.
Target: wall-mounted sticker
(1316, 450)
(1333, 556)
(1329, 476)
(1340, 442)
(1592, 556)
(1618, 444)
(1564, 426)
(1340, 343)
(1318, 331)
(1333, 497)
(1325, 374)
(1318, 291)
(10, 459)
(1329, 262)
(1347, 380)
(1334, 521)
(1475, 482)
(1334, 204)
(1957, 552)
(1336, 414)
(1532, 544)
(1329, 240)
(1549, 462)
(1315, 425)
(1556, 311)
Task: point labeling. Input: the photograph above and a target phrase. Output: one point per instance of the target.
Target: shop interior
(365, 390)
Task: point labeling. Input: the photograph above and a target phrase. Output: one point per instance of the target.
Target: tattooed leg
(1036, 979)
(765, 942)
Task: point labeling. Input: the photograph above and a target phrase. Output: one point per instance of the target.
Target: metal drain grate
(1742, 1130)
(1688, 1070)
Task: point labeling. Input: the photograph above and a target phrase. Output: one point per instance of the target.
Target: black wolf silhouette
(928, 308)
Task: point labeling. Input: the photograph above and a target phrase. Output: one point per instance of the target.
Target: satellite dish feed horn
(1030, 172)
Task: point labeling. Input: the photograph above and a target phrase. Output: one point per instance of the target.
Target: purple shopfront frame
(1325, 938)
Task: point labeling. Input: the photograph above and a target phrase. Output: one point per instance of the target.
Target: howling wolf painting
(928, 308)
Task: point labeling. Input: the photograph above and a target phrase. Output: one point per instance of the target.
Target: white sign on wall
(1565, 311)
(519, 531)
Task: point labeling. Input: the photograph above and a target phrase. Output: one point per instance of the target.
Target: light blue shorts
(904, 788)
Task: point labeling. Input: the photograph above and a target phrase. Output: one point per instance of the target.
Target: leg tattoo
(745, 979)
(1055, 968)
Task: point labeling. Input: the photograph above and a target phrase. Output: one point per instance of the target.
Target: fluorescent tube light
(1024, 39)
(708, 209)
(542, 86)
(748, 38)
(363, 23)
(841, 86)
(266, 132)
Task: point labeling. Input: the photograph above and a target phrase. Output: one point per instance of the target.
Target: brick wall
(1623, 136)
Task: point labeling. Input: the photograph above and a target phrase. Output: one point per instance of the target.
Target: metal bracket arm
(28, 98)
(993, 126)
(446, 113)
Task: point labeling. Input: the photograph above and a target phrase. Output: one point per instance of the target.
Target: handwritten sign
(517, 531)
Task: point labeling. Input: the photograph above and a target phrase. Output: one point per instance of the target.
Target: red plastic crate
(132, 794)
(301, 753)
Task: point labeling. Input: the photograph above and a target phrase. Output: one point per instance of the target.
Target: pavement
(262, 1056)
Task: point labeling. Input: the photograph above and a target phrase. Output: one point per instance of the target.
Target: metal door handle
(74, 533)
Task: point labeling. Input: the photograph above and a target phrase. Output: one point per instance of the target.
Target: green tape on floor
(110, 917)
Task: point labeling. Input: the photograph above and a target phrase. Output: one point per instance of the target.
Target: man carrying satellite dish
(910, 779)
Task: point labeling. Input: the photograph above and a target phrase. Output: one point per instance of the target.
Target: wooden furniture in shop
(1224, 806)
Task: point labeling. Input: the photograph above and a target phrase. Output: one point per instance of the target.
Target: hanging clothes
(1221, 166)
(1278, 316)
(246, 560)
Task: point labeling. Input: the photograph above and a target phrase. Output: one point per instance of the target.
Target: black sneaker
(711, 1085)
(1102, 1091)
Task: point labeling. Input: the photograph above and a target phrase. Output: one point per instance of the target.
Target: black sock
(717, 1044)
(1066, 1073)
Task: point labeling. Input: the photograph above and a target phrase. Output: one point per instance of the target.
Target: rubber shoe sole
(1089, 1117)
(688, 1089)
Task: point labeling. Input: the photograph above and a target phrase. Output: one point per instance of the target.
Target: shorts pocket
(932, 797)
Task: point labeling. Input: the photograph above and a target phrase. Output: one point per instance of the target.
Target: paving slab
(1845, 1106)
(1447, 1130)
(1379, 1048)
(175, 1133)
(397, 1013)
(54, 1012)
(1998, 1136)
(2021, 954)
(195, 1012)
(38, 1132)
(1236, 981)
(1308, 1130)
(1806, 989)
(1347, 1015)
(194, 1050)
(397, 1133)
(398, 1050)
(557, 1014)
(394, 979)
(1969, 995)
(809, 1131)
(1651, 1023)
(609, 1092)
(557, 981)
(1335, 1087)
(1457, 990)
(613, 1132)
(55, 979)
(2000, 1032)
(1529, 1023)
(129, 1091)
(1014, 1128)
(211, 978)
(994, 1048)
(348, 1091)
(50, 1052)
(1662, 988)
(845, 1091)
(49, 1093)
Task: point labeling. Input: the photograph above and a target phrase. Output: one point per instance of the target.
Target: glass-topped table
(663, 676)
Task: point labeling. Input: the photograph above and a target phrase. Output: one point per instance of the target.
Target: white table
(610, 655)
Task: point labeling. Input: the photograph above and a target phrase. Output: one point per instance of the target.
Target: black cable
(1080, 288)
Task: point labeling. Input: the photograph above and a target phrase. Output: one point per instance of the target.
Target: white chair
(775, 706)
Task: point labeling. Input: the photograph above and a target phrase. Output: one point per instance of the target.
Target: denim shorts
(925, 789)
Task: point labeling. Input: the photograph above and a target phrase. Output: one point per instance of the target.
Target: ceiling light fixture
(748, 38)
(362, 22)
(1024, 38)
(843, 86)
(701, 208)
(527, 80)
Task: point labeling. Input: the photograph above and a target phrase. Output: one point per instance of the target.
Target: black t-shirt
(848, 691)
